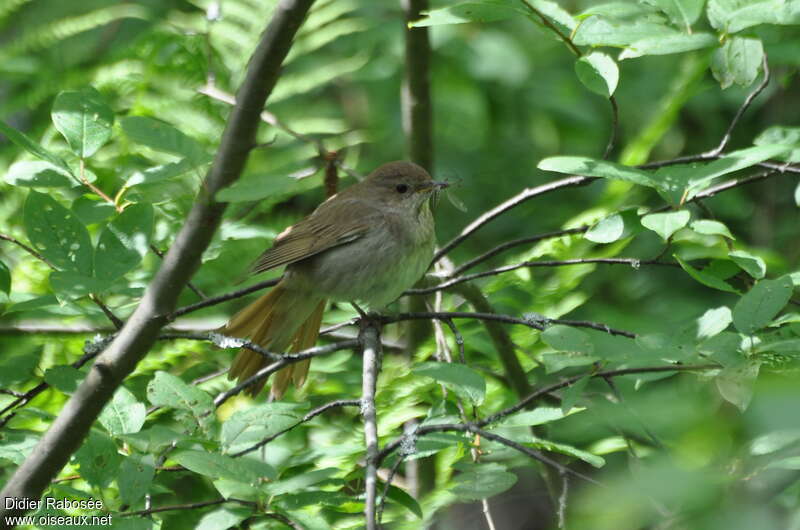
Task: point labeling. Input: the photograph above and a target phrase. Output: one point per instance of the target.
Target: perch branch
(371, 351)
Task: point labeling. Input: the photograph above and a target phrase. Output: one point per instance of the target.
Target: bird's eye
(401, 188)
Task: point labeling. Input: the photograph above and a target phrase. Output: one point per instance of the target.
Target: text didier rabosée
(26, 503)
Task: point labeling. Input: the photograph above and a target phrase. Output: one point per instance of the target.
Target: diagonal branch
(142, 328)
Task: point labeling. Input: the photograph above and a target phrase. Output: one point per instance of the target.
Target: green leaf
(301, 481)
(134, 478)
(31, 146)
(90, 211)
(485, 11)
(569, 339)
(604, 31)
(57, 233)
(274, 187)
(98, 459)
(5, 278)
(64, 378)
(761, 304)
(666, 224)
(223, 518)
(713, 322)
(681, 12)
(589, 458)
(538, 416)
(166, 390)
(460, 378)
(123, 414)
(68, 284)
(750, 263)
(711, 228)
(84, 119)
(17, 445)
(598, 72)
(248, 426)
(731, 16)
(404, 499)
(481, 481)
(163, 137)
(786, 347)
(735, 383)
(17, 367)
(163, 172)
(571, 394)
(124, 242)
(38, 173)
(667, 44)
(737, 61)
(705, 278)
(607, 230)
(553, 11)
(215, 465)
(580, 165)
(784, 136)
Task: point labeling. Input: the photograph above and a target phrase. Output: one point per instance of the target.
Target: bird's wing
(314, 234)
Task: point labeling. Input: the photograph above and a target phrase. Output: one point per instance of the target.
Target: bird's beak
(432, 186)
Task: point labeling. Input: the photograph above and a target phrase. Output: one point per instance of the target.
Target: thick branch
(371, 348)
(140, 332)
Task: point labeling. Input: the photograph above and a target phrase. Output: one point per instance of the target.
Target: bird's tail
(276, 321)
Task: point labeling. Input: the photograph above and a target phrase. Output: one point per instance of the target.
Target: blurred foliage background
(717, 449)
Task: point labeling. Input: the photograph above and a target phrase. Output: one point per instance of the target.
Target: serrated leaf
(98, 459)
(750, 263)
(166, 390)
(598, 72)
(666, 224)
(711, 228)
(481, 481)
(705, 278)
(735, 383)
(248, 426)
(761, 304)
(34, 148)
(215, 465)
(134, 478)
(569, 339)
(713, 322)
(737, 61)
(606, 230)
(38, 174)
(163, 137)
(57, 233)
(84, 119)
(5, 278)
(124, 414)
(460, 378)
(124, 242)
(590, 167)
(668, 44)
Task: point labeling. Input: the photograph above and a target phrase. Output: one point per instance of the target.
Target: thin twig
(28, 249)
(562, 501)
(546, 22)
(514, 243)
(188, 506)
(612, 138)
(632, 262)
(371, 352)
(525, 195)
(389, 479)
(215, 300)
(308, 417)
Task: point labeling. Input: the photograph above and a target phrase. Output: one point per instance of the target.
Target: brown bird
(364, 245)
